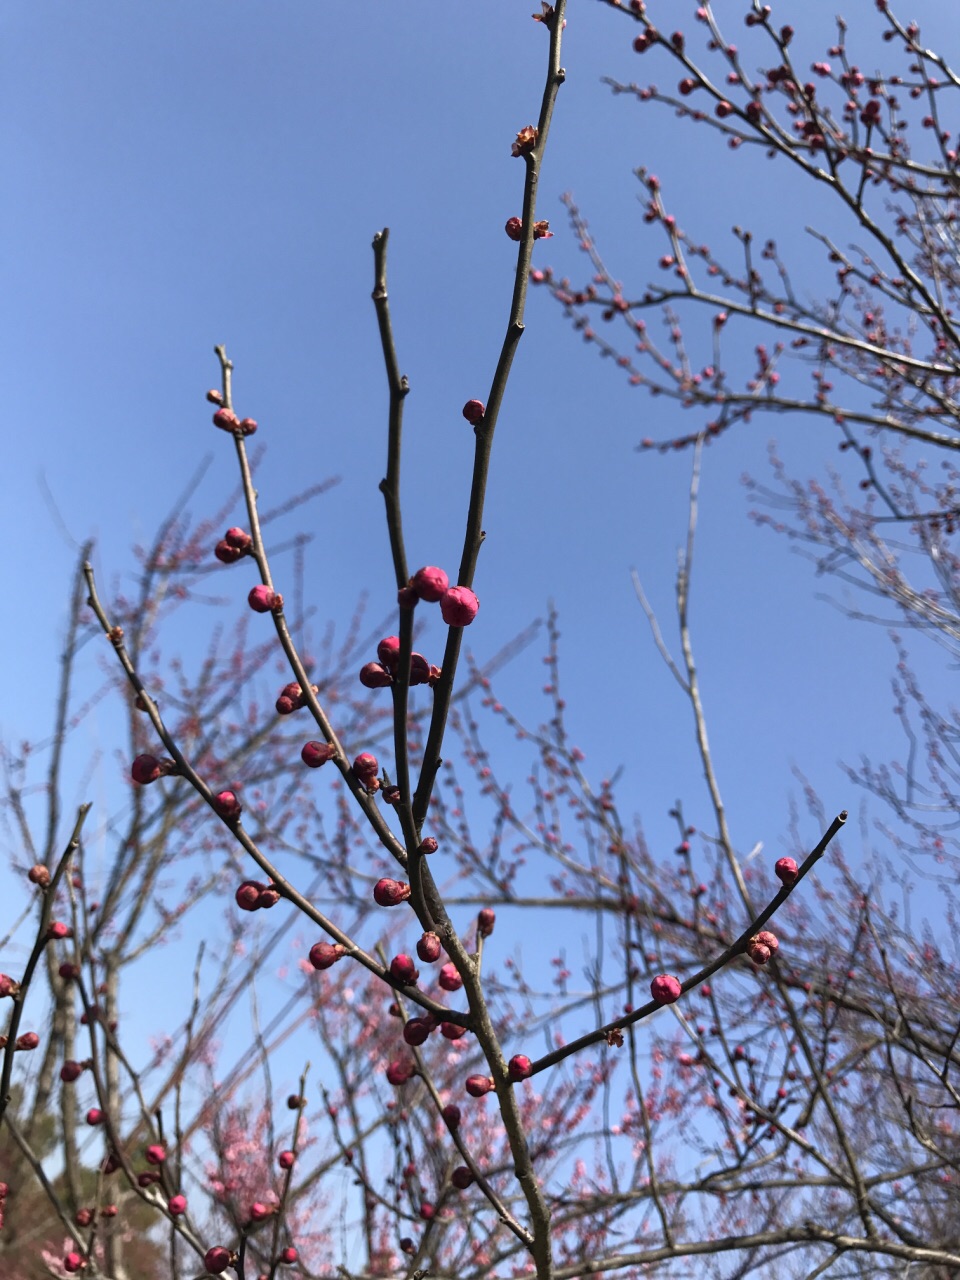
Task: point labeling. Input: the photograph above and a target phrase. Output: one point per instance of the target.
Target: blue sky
(182, 175)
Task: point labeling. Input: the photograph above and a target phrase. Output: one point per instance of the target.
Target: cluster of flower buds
(147, 768)
(227, 420)
(762, 946)
(292, 698)
(458, 605)
(254, 896)
(379, 675)
(233, 546)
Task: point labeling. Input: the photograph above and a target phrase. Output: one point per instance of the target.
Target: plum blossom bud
(227, 554)
(473, 411)
(416, 1031)
(419, 669)
(314, 754)
(461, 1177)
(217, 1259)
(459, 606)
(57, 929)
(70, 1071)
(268, 897)
(73, 1261)
(389, 893)
(391, 795)
(430, 845)
(402, 969)
(429, 947)
(325, 954)
(407, 597)
(427, 1210)
(449, 978)
(452, 1031)
(388, 651)
(39, 875)
(147, 1179)
(214, 396)
(485, 922)
(665, 989)
(477, 1086)
(290, 699)
(525, 142)
(285, 1159)
(785, 870)
(248, 895)
(519, 1067)
(69, 972)
(177, 1205)
(95, 1116)
(289, 1254)
(541, 230)
(768, 939)
(430, 582)
(400, 1070)
(248, 426)
(145, 769)
(365, 767)
(295, 1102)
(228, 806)
(83, 1217)
(757, 952)
(262, 600)
(514, 228)
(374, 676)
(108, 1211)
(10, 986)
(451, 1114)
(29, 1040)
(238, 538)
(155, 1154)
(259, 1212)
(226, 420)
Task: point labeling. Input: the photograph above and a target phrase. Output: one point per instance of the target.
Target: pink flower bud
(39, 875)
(402, 969)
(449, 978)
(389, 893)
(248, 426)
(73, 1261)
(145, 769)
(477, 1086)
(452, 1031)
(461, 1177)
(262, 600)
(473, 411)
(665, 989)
(259, 1211)
(227, 554)
(108, 1211)
(238, 538)
(768, 939)
(459, 606)
(758, 953)
(419, 669)
(95, 1116)
(177, 1205)
(416, 1031)
(8, 986)
(57, 929)
(315, 754)
(427, 1210)
(83, 1217)
(325, 954)
(451, 1114)
(226, 420)
(429, 947)
(388, 651)
(485, 922)
(514, 229)
(430, 583)
(285, 1159)
(214, 396)
(70, 1071)
(365, 767)
(519, 1067)
(248, 895)
(228, 806)
(29, 1040)
(786, 870)
(268, 897)
(156, 1154)
(289, 1254)
(374, 676)
(217, 1259)
(400, 1070)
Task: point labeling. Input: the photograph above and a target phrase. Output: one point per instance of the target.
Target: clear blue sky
(178, 175)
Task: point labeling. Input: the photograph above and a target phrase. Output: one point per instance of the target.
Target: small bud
(374, 676)
(108, 1211)
(83, 1217)
(485, 922)
(473, 411)
(70, 1071)
(459, 606)
(389, 893)
(238, 538)
(477, 1086)
(402, 969)
(73, 1261)
(449, 978)
(758, 953)
(416, 1031)
(217, 1259)
(452, 1031)
(248, 895)
(786, 870)
(400, 1070)
(407, 597)
(95, 1116)
(427, 1210)
(325, 954)
(461, 1177)
(259, 1211)
(419, 669)
(69, 972)
(525, 142)
(430, 582)
(289, 1254)
(295, 1102)
(227, 554)
(145, 769)
(514, 229)
(665, 989)
(226, 420)
(430, 845)
(248, 426)
(57, 929)
(285, 1159)
(451, 1114)
(314, 754)
(156, 1154)
(214, 396)
(519, 1067)
(177, 1205)
(388, 651)
(391, 795)
(366, 768)
(262, 600)
(429, 947)
(268, 897)
(8, 986)
(228, 806)
(29, 1040)
(39, 875)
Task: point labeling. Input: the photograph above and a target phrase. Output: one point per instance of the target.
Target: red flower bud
(451, 1031)
(95, 1116)
(156, 1154)
(214, 396)
(39, 875)
(459, 606)
(402, 969)
(70, 1071)
(289, 1254)
(226, 420)
(227, 554)
(145, 769)
(147, 1179)
(429, 845)
(427, 1210)
(429, 947)
(449, 978)
(248, 895)
(430, 582)
(407, 597)
(366, 768)
(73, 1261)
(325, 954)
(400, 1070)
(8, 986)
(295, 1102)
(216, 1259)
(57, 929)
(374, 676)
(248, 426)
(285, 1159)
(259, 1212)
(758, 953)
(525, 142)
(474, 410)
(83, 1217)
(767, 939)
(461, 1177)
(786, 870)
(416, 1031)
(519, 1067)
(29, 1040)
(477, 1086)
(238, 538)
(267, 897)
(514, 230)
(177, 1205)
(388, 651)
(485, 922)
(389, 893)
(419, 669)
(262, 600)
(665, 989)
(315, 754)
(69, 972)
(451, 1114)
(228, 806)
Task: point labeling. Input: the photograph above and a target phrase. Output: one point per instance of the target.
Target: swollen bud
(177, 1205)
(262, 600)
(375, 676)
(665, 989)
(389, 893)
(785, 870)
(402, 969)
(519, 1067)
(248, 895)
(449, 978)
(217, 1259)
(430, 583)
(400, 1070)
(325, 954)
(429, 947)
(228, 806)
(477, 1086)
(474, 410)
(314, 754)
(39, 875)
(145, 769)
(485, 922)
(459, 606)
